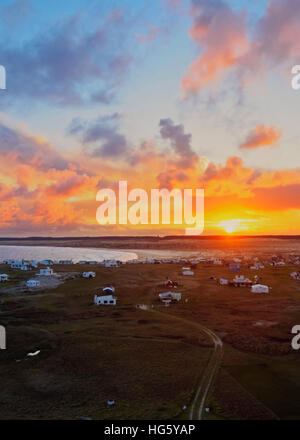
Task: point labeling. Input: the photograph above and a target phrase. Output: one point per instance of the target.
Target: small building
(223, 281)
(89, 275)
(187, 273)
(25, 267)
(46, 272)
(111, 263)
(105, 300)
(295, 275)
(32, 283)
(65, 262)
(16, 265)
(173, 296)
(3, 277)
(259, 288)
(241, 281)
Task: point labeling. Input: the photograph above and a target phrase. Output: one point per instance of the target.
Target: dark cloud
(277, 34)
(180, 142)
(28, 150)
(69, 63)
(100, 136)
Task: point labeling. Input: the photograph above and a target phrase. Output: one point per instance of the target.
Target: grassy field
(148, 362)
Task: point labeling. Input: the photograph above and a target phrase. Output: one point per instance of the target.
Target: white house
(3, 277)
(241, 281)
(259, 288)
(188, 273)
(176, 296)
(46, 272)
(223, 281)
(32, 283)
(105, 300)
(25, 267)
(89, 275)
(16, 265)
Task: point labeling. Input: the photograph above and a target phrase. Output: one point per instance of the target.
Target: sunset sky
(161, 93)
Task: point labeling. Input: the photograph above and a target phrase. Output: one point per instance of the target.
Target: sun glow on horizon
(233, 225)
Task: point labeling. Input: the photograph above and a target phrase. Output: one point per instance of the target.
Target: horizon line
(158, 236)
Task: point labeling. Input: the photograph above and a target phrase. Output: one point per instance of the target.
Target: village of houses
(128, 304)
(106, 296)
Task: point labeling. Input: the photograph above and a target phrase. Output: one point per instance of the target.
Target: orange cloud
(261, 136)
(60, 199)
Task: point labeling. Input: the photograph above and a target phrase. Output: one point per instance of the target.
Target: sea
(63, 253)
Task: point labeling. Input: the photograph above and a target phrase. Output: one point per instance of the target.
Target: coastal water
(62, 253)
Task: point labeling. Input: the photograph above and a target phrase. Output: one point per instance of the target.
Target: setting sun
(231, 226)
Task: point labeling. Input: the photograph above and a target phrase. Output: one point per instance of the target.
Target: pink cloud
(224, 44)
(261, 136)
(221, 36)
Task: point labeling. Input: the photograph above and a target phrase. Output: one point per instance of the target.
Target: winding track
(211, 369)
(208, 376)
